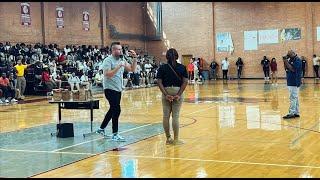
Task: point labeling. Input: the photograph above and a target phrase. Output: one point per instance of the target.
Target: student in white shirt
(136, 75)
(74, 81)
(56, 78)
(84, 81)
(225, 66)
(195, 72)
(98, 78)
(147, 68)
(67, 49)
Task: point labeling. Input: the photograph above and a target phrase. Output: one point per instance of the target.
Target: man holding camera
(293, 66)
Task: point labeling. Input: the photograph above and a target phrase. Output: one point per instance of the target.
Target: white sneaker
(1, 102)
(14, 100)
(118, 138)
(6, 101)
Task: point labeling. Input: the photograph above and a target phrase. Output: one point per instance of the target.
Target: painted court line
(201, 110)
(303, 134)
(32, 151)
(56, 151)
(123, 131)
(220, 161)
(100, 138)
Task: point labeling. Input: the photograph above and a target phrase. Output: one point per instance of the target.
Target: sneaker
(169, 140)
(178, 142)
(296, 115)
(1, 102)
(100, 131)
(6, 101)
(14, 100)
(288, 116)
(118, 138)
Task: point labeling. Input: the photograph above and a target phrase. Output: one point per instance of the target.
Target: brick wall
(72, 33)
(190, 27)
(156, 48)
(10, 23)
(238, 17)
(200, 21)
(127, 17)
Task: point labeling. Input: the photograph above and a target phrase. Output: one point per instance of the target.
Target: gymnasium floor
(230, 129)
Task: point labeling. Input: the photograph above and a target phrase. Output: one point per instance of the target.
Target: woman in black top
(172, 81)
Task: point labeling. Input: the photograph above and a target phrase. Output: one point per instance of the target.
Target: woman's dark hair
(172, 55)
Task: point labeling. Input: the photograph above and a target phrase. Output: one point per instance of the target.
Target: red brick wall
(10, 23)
(72, 33)
(200, 21)
(238, 17)
(127, 17)
(189, 27)
(156, 48)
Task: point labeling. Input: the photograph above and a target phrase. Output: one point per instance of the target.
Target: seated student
(142, 79)
(7, 92)
(84, 81)
(38, 71)
(55, 76)
(62, 58)
(74, 81)
(98, 78)
(13, 86)
(47, 79)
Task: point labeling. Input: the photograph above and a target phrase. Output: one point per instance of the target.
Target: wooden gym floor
(232, 129)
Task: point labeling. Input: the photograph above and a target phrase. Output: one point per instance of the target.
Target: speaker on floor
(65, 130)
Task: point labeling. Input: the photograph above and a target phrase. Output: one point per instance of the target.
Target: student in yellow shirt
(21, 81)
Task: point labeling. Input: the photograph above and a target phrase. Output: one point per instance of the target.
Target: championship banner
(59, 17)
(85, 21)
(25, 14)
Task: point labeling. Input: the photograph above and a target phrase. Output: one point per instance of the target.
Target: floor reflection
(129, 167)
(226, 116)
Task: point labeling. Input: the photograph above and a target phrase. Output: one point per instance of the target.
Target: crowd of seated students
(45, 67)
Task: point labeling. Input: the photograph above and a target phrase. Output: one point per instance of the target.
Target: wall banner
(85, 21)
(25, 14)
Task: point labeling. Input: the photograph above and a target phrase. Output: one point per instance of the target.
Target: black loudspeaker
(65, 130)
